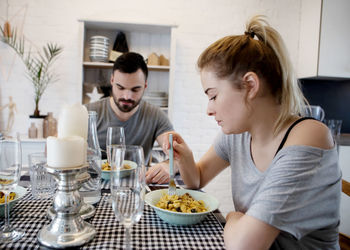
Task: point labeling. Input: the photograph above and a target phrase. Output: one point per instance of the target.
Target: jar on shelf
(50, 125)
(32, 131)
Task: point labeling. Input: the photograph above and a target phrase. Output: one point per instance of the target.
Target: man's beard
(126, 108)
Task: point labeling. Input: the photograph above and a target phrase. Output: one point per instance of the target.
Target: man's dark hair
(130, 62)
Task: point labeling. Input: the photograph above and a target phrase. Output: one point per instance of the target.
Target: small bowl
(20, 192)
(106, 174)
(177, 218)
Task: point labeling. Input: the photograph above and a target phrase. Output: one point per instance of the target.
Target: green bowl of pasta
(20, 192)
(128, 167)
(182, 218)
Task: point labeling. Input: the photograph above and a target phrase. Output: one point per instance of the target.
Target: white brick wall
(199, 24)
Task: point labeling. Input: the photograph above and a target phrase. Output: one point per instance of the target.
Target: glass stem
(7, 214)
(127, 238)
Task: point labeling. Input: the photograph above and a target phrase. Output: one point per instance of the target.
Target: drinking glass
(127, 193)
(315, 111)
(10, 173)
(115, 136)
(43, 184)
(334, 126)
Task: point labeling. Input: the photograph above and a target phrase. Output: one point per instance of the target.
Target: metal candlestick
(67, 229)
(87, 210)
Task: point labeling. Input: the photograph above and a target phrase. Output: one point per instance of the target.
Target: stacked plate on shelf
(99, 48)
(156, 98)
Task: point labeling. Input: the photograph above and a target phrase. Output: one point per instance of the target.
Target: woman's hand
(183, 160)
(182, 153)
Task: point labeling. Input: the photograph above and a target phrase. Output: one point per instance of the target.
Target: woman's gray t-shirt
(299, 193)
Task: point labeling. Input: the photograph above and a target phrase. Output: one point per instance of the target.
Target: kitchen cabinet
(334, 48)
(141, 38)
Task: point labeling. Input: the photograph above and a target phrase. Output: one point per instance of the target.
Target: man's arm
(159, 173)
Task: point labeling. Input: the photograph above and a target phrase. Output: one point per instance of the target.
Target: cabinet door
(334, 59)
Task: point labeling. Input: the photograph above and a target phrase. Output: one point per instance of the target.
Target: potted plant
(38, 64)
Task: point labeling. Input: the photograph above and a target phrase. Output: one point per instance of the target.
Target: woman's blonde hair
(233, 56)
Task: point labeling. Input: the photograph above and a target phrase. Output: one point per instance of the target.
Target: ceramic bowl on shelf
(178, 218)
(20, 192)
(98, 58)
(99, 39)
(99, 51)
(157, 101)
(98, 55)
(106, 174)
(99, 48)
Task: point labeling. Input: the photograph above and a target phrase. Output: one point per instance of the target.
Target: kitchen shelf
(103, 65)
(142, 38)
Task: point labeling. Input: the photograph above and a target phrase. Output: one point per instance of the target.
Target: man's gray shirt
(299, 193)
(142, 128)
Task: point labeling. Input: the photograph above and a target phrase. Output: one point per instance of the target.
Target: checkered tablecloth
(150, 232)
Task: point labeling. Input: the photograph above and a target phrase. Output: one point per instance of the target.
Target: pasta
(5, 181)
(10, 197)
(107, 167)
(181, 203)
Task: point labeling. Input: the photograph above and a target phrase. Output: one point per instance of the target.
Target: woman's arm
(245, 232)
(196, 175)
(210, 165)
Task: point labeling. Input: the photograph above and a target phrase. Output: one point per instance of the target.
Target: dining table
(151, 232)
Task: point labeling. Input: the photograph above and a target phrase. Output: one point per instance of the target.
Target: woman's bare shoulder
(311, 133)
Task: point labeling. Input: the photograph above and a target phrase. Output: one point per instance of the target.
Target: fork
(172, 185)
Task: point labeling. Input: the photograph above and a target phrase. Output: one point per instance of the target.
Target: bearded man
(143, 122)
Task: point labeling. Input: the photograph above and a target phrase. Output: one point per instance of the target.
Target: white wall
(200, 22)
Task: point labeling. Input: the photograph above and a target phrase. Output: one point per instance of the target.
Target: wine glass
(10, 173)
(127, 191)
(115, 136)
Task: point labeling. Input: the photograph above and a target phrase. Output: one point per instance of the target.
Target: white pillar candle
(66, 152)
(73, 121)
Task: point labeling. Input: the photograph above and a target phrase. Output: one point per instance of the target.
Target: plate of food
(186, 207)
(128, 166)
(14, 196)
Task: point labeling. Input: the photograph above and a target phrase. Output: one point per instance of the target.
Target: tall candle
(68, 149)
(66, 152)
(73, 121)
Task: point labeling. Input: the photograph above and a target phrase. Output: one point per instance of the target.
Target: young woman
(285, 174)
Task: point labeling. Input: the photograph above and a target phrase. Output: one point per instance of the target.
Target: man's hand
(158, 173)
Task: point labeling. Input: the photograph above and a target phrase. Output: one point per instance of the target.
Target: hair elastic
(251, 34)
